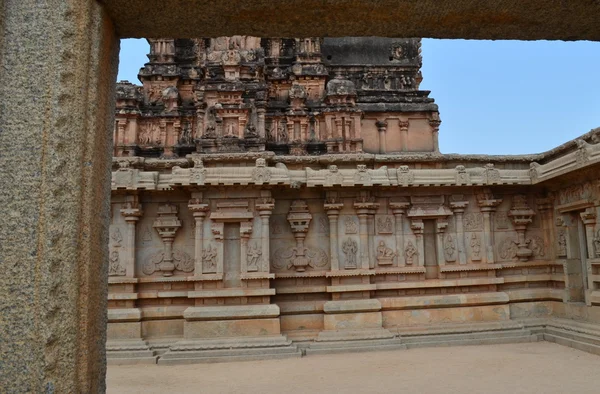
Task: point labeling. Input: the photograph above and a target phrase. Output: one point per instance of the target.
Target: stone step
(450, 328)
(355, 347)
(573, 343)
(485, 340)
(135, 360)
(219, 356)
(354, 335)
(513, 333)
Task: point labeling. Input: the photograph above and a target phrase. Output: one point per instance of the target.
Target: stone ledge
(372, 305)
(231, 312)
(441, 301)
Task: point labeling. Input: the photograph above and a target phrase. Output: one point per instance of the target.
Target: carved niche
(299, 257)
(350, 249)
(385, 225)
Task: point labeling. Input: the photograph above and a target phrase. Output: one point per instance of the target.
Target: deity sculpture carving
(562, 243)
(253, 257)
(384, 225)
(405, 176)
(475, 247)
(209, 259)
(473, 221)
(385, 255)
(449, 248)
(409, 253)
(350, 249)
(114, 267)
(117, 237)
(597, 244)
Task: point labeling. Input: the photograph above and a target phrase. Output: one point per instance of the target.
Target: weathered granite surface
(58, 62)
(487, 19)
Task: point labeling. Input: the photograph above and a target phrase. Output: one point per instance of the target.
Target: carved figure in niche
(596, 244)
(351, 226)
(475, 247)
(117, 237)
(508, 249)
(409, 253)
(333, 176)
(254, 254)
(147, 234)
(473, 221)
(385, 255)
(536, 244)
(261, 174)
(186, 134)
(350, 248)
(501, 220)
(230, 130)
(384, 225)
(449, 248)
(209, 258)
(405, 176)
(562, 244)
(361, 175)
(114, 266)
(282, 135)
(397, 52)
(462, 177)
(323, 225)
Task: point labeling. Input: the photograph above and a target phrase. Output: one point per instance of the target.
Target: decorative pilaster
(417, 226)
(458, 207)
(364, 207)
(265, 208)
(441, 226)
(399, 209)
(403, 134)
(199, 210)
(589, 221)
(487, 204)
(435, 128)
(167, 225)
(545, 206)
(381, 128)
(131, 211)
(521, 216)
(332, 207)
(299, 218)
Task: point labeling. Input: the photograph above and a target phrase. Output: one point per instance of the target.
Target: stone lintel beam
(484, 19)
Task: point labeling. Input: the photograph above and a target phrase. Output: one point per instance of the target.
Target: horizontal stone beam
(482, 19)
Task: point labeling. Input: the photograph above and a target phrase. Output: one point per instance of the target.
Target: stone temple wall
(275, 190)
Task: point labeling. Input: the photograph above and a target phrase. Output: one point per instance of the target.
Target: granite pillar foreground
(58, 63)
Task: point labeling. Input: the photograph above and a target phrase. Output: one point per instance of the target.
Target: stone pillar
(132, 211)
(458, 207)
(364, 207)
(589, 220)
(488, 206)
(199, 211)
(435, 128)
(418, 227)
(440, 229)
(399, 209)
(403, 134)
(58, 66)
(333, 208)
(545, 207)
(260, 110)
(381, 128)
(265, 208)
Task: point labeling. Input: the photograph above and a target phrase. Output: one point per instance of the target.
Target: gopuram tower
(278, 194)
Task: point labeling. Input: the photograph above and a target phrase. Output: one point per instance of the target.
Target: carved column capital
(458, 206)
(417, 226)
(588, 216)
(399, 208)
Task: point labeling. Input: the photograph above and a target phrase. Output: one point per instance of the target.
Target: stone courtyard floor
(540, 367)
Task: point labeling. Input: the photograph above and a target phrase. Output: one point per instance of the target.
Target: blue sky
(495, 97)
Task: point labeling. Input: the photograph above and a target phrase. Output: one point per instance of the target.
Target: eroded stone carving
(405, 176)
(449, 249)
(473, 221)
(350, 225)
(384, 225)
(410, 252)
(562, 243)
(350, 249)
(179, 260)
(253, 257)
(117, 237)
(261, 174)
(167, 224)
(114, 267)
(209, 259)
(385, 255)
(475, 247)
